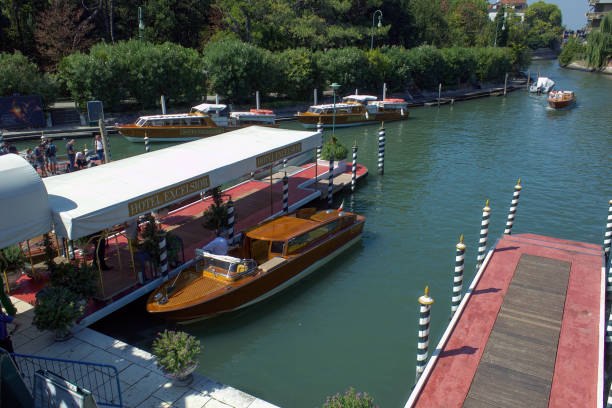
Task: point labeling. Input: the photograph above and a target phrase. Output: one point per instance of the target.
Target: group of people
(43, 157)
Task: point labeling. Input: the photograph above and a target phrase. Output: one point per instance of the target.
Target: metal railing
(102, 380)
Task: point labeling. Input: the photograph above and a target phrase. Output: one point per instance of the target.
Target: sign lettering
(168, 195)
(277, 155)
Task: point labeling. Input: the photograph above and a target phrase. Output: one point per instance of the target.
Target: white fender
(367, 115)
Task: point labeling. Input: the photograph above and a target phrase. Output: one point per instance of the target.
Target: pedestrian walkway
(142, 383)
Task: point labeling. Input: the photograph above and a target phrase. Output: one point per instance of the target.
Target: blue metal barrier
(102, 380)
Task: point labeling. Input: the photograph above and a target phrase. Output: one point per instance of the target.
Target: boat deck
(530, 333)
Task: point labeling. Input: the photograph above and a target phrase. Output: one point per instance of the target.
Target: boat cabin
(179, 120)
(218, 112)
(341, 109)
(362, 99)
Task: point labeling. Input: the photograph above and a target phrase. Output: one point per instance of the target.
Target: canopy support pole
(271, 196)
(30, 256)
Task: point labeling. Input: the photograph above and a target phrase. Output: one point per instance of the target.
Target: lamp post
(379, 25)
(496, 29)
(334, 87)
(140, 23)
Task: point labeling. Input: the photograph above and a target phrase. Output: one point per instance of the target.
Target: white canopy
(90, 200)
(24, 206)
(207, 107)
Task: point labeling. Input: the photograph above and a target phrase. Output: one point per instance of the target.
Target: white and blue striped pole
(484, 232)
(608, 234)
(513, 205)
(320, 132)
(147, 145)
(230, 221)
(423, 342)
(330, 182)
(285, 194)
(163, 256)
(354, 168)
(458, 275)
(381, 149)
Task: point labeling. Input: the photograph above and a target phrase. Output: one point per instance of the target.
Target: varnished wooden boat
(355, 110)
(561, 99)
(272, 256)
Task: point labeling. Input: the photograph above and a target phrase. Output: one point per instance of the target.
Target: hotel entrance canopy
(87, 201)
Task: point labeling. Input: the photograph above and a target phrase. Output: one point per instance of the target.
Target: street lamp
(379, 25)
(496, 29)
(140, 23)
(334, 87)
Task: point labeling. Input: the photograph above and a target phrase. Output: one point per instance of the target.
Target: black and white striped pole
(513, 205)
(423, 343)
(230, 221)
(484, 232)
(381, 149)
(609, 329)
(285, 194)
(608, 235)
(354, 168)
(609, 401)
(330, 182)
(458, 275)
(320, 132)
(147, 144)
(163, 255)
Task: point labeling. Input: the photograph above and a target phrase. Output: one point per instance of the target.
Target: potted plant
(349, 400)
(82, 280)
(176, 353)
(11, 259)
(339, 152)
(149, 239)
(216, 216)
(56, 309)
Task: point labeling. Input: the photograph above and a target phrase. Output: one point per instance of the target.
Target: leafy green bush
(333, 148)
(80, 280)
(571, 51)
(176, 351)
(346, 66)
(56, 309)
(492, 63)
(11, 258)
(216, 216)
(18, 75)
(299, 73)
(237, 70)
(427, 66)
(349, 400)
(459, 65)
(400, 75)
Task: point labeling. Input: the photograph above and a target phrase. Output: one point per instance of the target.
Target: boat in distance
(204, 120)
(561, 99)
(354, 110)
(542, 85)
(270, 257)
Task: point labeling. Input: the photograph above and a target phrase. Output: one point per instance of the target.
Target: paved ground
(143, 385)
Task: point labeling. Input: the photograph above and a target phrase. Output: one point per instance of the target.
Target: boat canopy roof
(360, 98)
(207, 107)
(282, 229)
(331, 106)
(170, 116)
(24, 202)
(544, 82)
(93, 199)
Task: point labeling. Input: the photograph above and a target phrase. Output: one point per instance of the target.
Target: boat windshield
(224, 266)
(140, 122)
(315, 110)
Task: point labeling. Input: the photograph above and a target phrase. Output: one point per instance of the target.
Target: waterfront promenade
(142, 383)
(529, 334)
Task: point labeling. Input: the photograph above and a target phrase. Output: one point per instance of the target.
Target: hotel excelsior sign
(277, 155)
(168, 195)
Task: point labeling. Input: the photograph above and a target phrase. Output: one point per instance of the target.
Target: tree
(20, 75)
(543, 25)
(599, 44)
(501, 31)
(60, 32)
(467, 23)
(429, 23)
(183, 22)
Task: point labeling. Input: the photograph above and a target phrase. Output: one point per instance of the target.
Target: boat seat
(271, 263)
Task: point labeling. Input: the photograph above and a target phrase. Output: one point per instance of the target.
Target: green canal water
(354, 322)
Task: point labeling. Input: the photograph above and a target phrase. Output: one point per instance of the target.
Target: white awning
(91, 200)
(24, 206)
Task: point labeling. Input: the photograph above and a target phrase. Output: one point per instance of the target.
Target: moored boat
(542, 85)
(204, 120)
(561, 99)
(271, 256)
(354, 110)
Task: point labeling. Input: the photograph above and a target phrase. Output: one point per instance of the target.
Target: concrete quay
(143, 385)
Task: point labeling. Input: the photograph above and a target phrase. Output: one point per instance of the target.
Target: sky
(573, 12)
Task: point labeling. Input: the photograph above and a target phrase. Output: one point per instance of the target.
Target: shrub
(149, 239)
(459, 65)
(571, 51)
(380, 68)
(492, 63)
(426, 64)
(333, 148)
(400, 75)
(12, 258)
(18, 75)
(56, 309)
(299, 72)
(176, 351)
(216, 216)
(346, 66)
(80, 280)
(349, 400)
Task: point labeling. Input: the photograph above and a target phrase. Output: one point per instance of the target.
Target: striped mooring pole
(513, 205)
(458, 275)
(381, 149)
(330, 182)
(147, 144)
(608, 234)
(354, 168)
(320, 132)
(230, 221)
(285, 194)
(163, 256)
(609, 329)
(484, 232)
(423, 344)
(609, 401)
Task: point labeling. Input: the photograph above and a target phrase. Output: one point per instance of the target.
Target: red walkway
(577, 367)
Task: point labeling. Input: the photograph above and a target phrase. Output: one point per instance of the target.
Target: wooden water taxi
(354, 110)
(272, 256)
(561, 99)
(204, 120)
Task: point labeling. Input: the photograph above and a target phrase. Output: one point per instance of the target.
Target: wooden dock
(529, 332)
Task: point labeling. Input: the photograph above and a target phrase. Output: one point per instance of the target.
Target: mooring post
(484, 232)
(163, 255)
(423, 343)
(354, 168)
(217, 99)
(320, 132)
(513, 205)
(381, 149)
(330, 182)
(315, 97)
(439, 93)
(384, 91)
(163, 104)
(606, 247)
(458, 275)
(257, 99)
(285, 194)
(230, 221)
(147, 145)
(609, 329)
(528, 78)
(609, 401)
(105, 141)
(505, 84)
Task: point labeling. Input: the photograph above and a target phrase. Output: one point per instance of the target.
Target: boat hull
(169, 134)
(311, 121)
(561, 104)
(264, 285)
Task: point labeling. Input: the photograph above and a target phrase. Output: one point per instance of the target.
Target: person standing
(51, 156)
(100, 149)
(40, 159)
(71, 154)
(5, 335)
(100, 252)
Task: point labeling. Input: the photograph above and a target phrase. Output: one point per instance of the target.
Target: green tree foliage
(21, 16)
(18, 75)
(180, 21)
(399, 76)
(571, 51)
(299, 72)
(501, 30)
(543, 25)
(346, 66)
(237, 70)
(599, 44)
(468, 22)
(430, 26)
(134, 69)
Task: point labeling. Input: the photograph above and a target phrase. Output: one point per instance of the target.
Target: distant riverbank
(582, 66)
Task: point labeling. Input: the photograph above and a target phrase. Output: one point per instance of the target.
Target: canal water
(354, 322)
